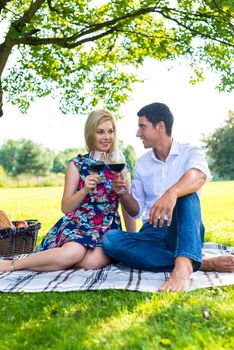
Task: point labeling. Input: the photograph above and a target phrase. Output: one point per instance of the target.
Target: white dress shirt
(152, 177)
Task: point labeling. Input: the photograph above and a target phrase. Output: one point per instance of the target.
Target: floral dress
(97, 213)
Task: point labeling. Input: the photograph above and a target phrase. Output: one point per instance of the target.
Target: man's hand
(163, 206)
(190, 182)
(118, 183)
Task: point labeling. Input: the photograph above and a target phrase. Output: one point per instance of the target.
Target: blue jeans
(155, 249)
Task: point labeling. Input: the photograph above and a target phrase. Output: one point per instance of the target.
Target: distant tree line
(27, 157)
(220, 149)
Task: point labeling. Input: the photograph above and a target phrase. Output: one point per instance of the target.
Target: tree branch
(221, 10)
(99, 26)
(193, 16)
(68, 42)
(28, 15)
(53, 9)
(3, 4)
(63, 42)
(34, 7)
(92, 28)
(195, 31)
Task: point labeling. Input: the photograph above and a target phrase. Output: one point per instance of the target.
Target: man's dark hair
(156, 112)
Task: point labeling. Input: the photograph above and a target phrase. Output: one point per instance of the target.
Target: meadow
(115, 319)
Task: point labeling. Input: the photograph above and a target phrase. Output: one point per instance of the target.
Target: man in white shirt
(165, 188)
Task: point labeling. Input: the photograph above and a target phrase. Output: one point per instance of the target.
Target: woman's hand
(91, 182)
(72, 196)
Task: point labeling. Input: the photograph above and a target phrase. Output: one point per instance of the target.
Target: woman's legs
(49, 260)
(94, 259)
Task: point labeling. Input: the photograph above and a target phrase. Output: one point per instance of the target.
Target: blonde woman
(90, 206)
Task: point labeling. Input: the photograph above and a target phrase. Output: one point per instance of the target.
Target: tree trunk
(5, 51)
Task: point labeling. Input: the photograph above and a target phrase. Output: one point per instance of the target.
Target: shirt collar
(175, 150)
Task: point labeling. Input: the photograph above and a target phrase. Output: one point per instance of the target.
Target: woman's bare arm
(72, 197)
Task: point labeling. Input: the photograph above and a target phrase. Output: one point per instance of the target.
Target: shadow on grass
(117, 320)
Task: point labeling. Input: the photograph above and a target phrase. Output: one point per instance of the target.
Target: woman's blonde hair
(94, 119)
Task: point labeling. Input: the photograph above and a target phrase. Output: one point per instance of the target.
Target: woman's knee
(71, 254)
(94, 264)
(96, 259)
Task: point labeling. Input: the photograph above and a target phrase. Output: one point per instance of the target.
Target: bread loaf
(5, 222)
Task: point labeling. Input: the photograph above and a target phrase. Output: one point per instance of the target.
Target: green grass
(218, 211)
(119, 319)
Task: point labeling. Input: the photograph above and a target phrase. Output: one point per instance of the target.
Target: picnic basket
(15, 241)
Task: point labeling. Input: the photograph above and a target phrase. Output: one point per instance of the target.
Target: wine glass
(98, 161)
(116, 161)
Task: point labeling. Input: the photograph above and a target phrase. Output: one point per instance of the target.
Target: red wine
(117, 168)
(97, 167)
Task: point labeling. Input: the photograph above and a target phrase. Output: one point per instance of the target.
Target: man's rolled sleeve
(198, 161)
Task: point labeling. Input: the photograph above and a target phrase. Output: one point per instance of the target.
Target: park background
(119, 319)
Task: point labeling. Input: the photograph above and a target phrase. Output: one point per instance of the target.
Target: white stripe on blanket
(110, 277)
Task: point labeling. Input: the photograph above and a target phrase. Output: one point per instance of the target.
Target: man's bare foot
(218, 264)
(180, 278)
(5, 265)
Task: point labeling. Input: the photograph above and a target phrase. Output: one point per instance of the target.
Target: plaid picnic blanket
(111, 277)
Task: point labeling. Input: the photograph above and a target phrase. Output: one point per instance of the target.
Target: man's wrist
(174, 190)
(122, 192)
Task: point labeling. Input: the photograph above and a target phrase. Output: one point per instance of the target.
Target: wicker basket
(19, 240)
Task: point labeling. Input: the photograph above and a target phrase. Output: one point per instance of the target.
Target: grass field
(119, 319)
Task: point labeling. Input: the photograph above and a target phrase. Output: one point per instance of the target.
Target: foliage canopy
(87, 51)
